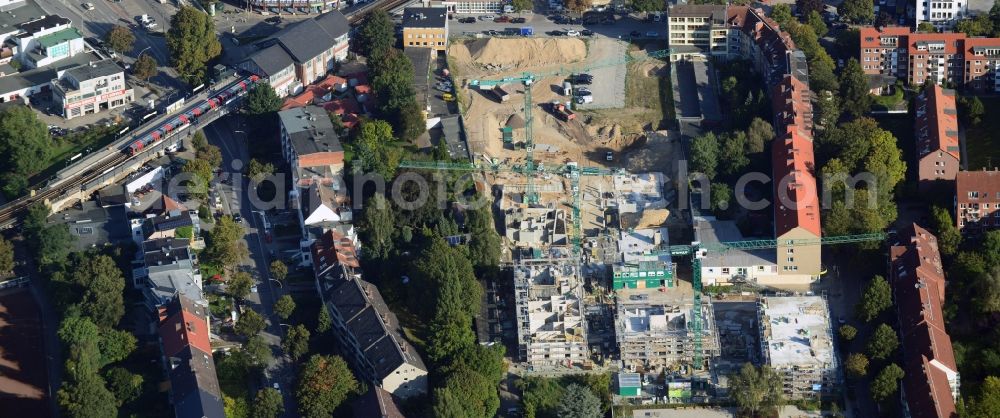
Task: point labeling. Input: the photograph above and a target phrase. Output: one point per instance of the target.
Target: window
(790, 251)
(725, 270)
(790, 259)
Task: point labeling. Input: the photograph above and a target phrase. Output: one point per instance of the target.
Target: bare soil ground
(22, 356)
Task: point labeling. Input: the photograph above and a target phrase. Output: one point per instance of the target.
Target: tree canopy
(145, 67)
(987, 402)
(883, 342)
(579, 402)
(854, 88)
(238, 286)
(120, 39)
(705, 155)
(25, 146)
(756, 390)
(447, 275)
(377, 35)
(886, 383)
(856, 365)
(49, 243)
(192, 43)
(268, 404)
(857, 11)
(284, 306)
(324, 383)
(876, 298)
(262, 100)
(225, 243)
(296, 342)
(376, 150)
(6, 256)
(250, 323)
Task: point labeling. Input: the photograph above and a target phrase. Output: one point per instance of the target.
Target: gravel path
(609, 81)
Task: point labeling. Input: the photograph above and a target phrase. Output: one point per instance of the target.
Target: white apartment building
(734, 265)
(46, 40)
(550, 325)
(91, 88)
(463, 7)
(943, 14)
(696, 32)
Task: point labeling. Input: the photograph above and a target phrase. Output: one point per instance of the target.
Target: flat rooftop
(708, 230)
(796, 331)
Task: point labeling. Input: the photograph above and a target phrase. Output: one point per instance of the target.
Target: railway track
(356, 16)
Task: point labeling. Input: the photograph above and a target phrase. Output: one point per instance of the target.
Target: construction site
(654, 331)
(796, 340)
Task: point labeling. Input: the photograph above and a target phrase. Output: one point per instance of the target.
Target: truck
(562, 112)
(500, 93)
(527, 31)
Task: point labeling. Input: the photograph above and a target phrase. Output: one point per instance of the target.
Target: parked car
(609, 156)
(572, 32)
(518, 20)
(273, 19)
(635, 34)
(587, 32)
(583, 78)
(501, 19)
(585, 99)
(87, 6)
(652, 34)
(486, 18)
(467, 20)
(582, 91)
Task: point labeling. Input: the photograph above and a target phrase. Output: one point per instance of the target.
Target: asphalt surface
(107, 14)
(228, 136)
(541, 24)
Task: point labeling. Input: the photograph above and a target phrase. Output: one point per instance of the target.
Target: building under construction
(796, 339)
(550, 322)
(654, 330)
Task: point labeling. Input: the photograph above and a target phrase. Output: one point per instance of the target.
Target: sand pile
(613, 136)
(521, 52)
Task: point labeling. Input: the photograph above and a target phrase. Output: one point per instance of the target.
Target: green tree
(477, 396)
(257, 351)
(323, 322)
(250, 323)
(377, 35)
(485, 245)
(278, 270)
(876, 299)
(722, 200)
(826, 110)
(926, 27)
(258, 171)
(733, 153)
(782, 13)
(25, 143)
(120, 39)
(324, 383)
(885, 384)
(947, 234)
(284, 306)
(199, 140)
(145, 67)
(82, 338)
(647, 5)
(971, 109)
(822, 74)
(296, 342)
(882, 343)
(101, 286)
(854, 88)
(980, 25)
(991, 247)
(447, 275)
(986, 292)
(755, 390)
(857, 11)
(225, 243)
(705, 155)
(815, 21)
(238, 286)
(125, 385)
(376, 150)
(262, 100)
(579, 402)
(268, 404)
(200, 173)
(115, 345)
(856, 365)
(448, 404)
(807, 7)
(987, 403)
(49, 243)
(522, 5)
(87, 397)
(847, 332)
(759, 134)
(212, 154)
(192, 43)
(6, 256)
(378, 225)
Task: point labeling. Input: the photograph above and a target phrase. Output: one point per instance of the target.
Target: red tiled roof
(928, 394)
(937, 122)
(870, 36)
(987, 183)
(950, 41)
(334, 245)
(170, 205)
(790, 101)
(796, 198)
(186, 325)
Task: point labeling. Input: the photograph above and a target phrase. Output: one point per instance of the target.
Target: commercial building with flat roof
(734, 265)
(91, 88)
(425, 27)
(796, 340)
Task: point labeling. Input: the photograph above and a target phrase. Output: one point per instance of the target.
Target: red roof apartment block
(187, 353)
(930, 386)
(977, 201)
(792, 105)
(917, 57)
(797, 204)
(936, 132)
(333, 249)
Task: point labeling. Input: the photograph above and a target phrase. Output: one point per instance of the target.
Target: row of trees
(577, 396)
(192, 42)
(392, 78)
(25, 148)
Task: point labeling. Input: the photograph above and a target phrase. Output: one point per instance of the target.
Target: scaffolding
(550, 322)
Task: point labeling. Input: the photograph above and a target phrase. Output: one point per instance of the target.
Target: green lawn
(982, 145)
(69, 145)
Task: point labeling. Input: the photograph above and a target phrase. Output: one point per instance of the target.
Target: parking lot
(623, 27)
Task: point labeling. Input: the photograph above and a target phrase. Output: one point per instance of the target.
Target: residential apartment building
(977, 201)
(425, 27)
(169, 269)
(465, 7)
(311, 47)
(938, 57)
(550, 325)
(796, 208)
(42, 41)
(696, 32)
(187, 357)
(734, 265)
(91, 88)
(370, 334)
(302, 6)
(943, 14)
(644, 264)
(930, 387)
(312, 149)
(654, 331)
(936, 135)
(796, 340)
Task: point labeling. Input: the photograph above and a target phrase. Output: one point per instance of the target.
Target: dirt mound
(522, 52)
(613, 136)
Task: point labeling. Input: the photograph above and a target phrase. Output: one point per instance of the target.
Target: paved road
(541, 25)
(228, 136)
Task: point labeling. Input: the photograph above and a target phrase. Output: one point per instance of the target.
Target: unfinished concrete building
(550, 322)
(796, 339)
(654, 331)
(535, 227)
